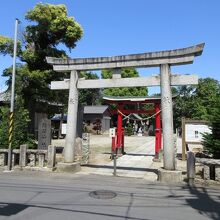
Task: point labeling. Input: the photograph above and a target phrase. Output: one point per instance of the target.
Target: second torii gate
(121, 102)
(162, 59)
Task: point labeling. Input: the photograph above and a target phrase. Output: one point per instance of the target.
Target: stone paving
(137, 161)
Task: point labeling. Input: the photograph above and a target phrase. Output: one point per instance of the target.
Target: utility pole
(11, 116)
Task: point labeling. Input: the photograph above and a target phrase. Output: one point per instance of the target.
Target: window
(196, 134)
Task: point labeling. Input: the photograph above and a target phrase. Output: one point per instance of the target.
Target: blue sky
(117, 27)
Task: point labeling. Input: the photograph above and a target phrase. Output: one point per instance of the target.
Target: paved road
(56, 196)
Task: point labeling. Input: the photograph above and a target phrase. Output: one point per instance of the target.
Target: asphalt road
(43, 195)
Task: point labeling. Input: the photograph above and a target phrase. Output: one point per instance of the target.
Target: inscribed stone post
(85, 148)
(44, 134)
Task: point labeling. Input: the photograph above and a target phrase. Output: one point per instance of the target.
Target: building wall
(194, 132)
(105, 121)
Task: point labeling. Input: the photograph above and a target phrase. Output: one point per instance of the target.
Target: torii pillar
(69, 153)
(167, 117)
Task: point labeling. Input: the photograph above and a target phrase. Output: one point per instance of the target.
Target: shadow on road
(9, 209)
(122, 168)
(134, 154)
(203, 203)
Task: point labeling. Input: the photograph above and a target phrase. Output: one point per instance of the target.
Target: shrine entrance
(165, 79)
(138, 106)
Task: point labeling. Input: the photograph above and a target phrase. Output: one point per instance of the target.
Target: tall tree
(205, 98)
(125, 91)
(50, 27)
(211, 140)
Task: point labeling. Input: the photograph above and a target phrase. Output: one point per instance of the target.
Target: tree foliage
(49, 29)
(89, 96)
(7, 46)
(211, 141)
(20, 125)
(201, 102)
(196, 102)
(124, 91)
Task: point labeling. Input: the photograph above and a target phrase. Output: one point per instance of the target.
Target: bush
(129, 130)
(211, 141)
(20, 134)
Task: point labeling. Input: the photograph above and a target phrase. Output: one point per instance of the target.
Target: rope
(143, 119)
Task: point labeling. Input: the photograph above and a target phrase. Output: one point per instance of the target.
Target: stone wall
(25, 157)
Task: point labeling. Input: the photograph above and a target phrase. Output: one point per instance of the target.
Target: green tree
(196, 102)
(20, 125)
(89, 96)
(212, 141)
(125, 91)
(183, 104)
(7, 46)
(49, 29)
(205, 98)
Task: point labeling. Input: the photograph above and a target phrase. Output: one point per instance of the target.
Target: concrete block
(206, 172)
(78, 149)
(217, 173)
(3, 159)
(51, 158)
(191, 167)
(41, 160)
(32, 159)
(15, 159)
(23, 155)
(68, 167)
(169, 176)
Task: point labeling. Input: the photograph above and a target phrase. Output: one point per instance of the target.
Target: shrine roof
(95, 109)
(133, 98)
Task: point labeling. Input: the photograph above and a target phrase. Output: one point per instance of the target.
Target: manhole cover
(102, 194)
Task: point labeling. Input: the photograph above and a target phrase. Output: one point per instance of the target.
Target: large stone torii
(162, 59)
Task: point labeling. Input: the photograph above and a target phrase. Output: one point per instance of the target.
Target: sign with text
(44, 134)
(63, 128)
(112, 132)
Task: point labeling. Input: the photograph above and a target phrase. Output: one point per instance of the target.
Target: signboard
(192, 131)
(63, 128)
(112, 132)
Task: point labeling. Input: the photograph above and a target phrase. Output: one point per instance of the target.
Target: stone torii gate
(162, 59)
